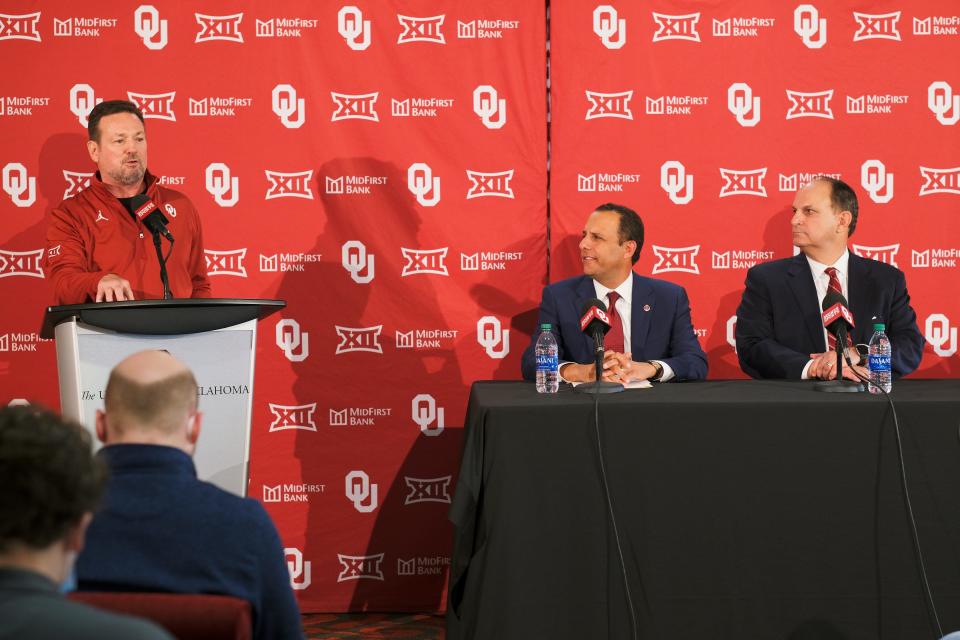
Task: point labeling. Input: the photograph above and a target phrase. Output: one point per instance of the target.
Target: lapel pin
(646, 307)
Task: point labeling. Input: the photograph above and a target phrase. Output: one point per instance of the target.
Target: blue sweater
(161, 529)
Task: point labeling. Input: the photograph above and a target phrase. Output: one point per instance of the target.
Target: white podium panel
(222, 362)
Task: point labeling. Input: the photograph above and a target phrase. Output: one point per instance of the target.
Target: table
(746, 510)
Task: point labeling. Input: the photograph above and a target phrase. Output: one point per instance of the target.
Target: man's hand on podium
(113, 288)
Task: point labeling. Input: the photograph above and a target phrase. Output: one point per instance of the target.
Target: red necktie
(834, 285)
(614, 339)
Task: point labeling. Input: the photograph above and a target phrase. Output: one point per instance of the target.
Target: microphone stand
(164, 279)
(839, 385)
(599, 386)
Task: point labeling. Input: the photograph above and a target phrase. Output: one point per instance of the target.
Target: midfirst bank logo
(226, 263)
(423, 184)
(221, 184)
(677, 259)
(17, 106)
(19, 185)
(494, 339)
(353, 28)
(676, 27)
(674, 105)
(886, 254)
(877, 181)
(284, 27)
(427, 490)
(20, 342)
(21, 263)
(743, 183)
(290, 338)
(358, 416)
(82, 101)
(357, 261)
(217, 106)
(360, 567)
(741, 27)
(605, 181)
(424, 262)
(291, 492)
(609, 27)
(793, 181)
(485, 28)
(422, 566)
(355, 107)
(76, 182)
(289, 185)
(296, 417)
(488, 260)
(609, 105)
(154, 106)
(82, 27)
(738, 258)
(298, 568)
(222, 28)
(675, 180)
(352, 185)
(941, 335)
(284, 262)
(426, 338)
(940, 181)
(427, 415)
(421, 29)
(419, 107)
(936, 26)
(483, 185)
(150, 27)
(875, 103)
(20, 27)
(934, 258)
(359, 339)
(876, 26)
(811, 28)
(361, 492)
(944, 103)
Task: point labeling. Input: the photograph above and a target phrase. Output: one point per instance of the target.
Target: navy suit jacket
(779, 325)
(162, 529)
(663, 333)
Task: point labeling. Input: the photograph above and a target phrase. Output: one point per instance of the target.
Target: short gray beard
(127, 178)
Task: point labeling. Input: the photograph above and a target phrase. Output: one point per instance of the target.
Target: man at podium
(100, 242)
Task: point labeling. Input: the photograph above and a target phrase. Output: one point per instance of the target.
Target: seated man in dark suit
(160, 528)
(49, 486)
(651, 337)
(780, 333)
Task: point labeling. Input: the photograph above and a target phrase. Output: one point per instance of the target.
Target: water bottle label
(547, 363)
(879, 363)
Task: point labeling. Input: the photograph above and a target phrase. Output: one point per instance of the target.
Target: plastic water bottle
(548, 361)
(879, 359)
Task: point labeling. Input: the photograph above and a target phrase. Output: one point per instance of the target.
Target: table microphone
(838, 321)
(595, 322)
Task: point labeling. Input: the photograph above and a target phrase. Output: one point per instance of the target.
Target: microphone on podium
(150, 215)
(838, 321)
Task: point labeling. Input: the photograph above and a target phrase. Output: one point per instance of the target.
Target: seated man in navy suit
(651, 337)
(780, 333)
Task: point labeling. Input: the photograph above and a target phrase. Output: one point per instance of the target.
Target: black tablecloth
(746, 510)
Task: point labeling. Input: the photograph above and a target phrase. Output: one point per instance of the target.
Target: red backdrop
(382, 166)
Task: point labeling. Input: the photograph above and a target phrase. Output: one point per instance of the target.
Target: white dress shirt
(821, 280)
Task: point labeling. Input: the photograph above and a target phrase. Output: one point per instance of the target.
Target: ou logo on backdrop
(941, 335)
(147, 24)
(289, 338)
(875, 179)
(609, 27)
(298, 567)
(808, 24)
(358, 488)
(285, 104)
(675, 180)
(941, 100)
(490, 334)
(220, 183)
(421, 181)
(425, 411)
(355, 259)
(82, 101)
(17, 182)
(491, 108)
(351, 25)
(741, 101)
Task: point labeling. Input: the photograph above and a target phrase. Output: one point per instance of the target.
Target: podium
(216, 338)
